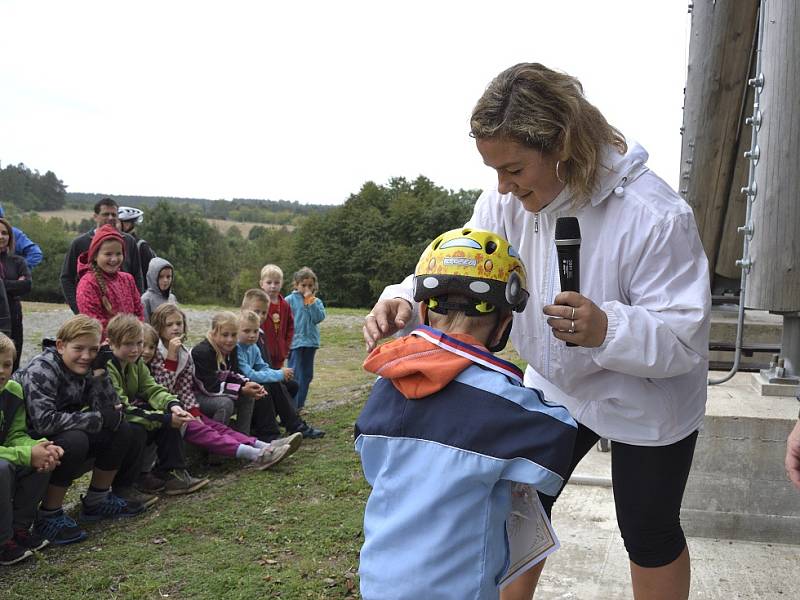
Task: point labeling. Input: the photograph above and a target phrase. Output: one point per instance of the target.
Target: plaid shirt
(180, 383)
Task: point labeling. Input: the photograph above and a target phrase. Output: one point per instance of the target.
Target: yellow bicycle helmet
(474, 263)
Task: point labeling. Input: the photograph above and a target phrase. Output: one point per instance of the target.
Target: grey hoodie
(154, 297)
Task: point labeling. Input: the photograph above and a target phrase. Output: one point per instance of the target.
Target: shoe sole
(295, 441)
(41, 546)
(25, 556)
(272, 463)
(92, 518)
(188, 490)
(74, 540)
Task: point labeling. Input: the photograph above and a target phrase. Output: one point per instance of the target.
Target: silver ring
(572, 327)
(573, 314)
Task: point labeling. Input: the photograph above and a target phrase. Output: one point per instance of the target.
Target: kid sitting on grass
(25, 466)
(308, 312)
(252, 366)
(104, 290)
(172, 366)
(266, 427)
(219, 388)
(155, 414)
(77, 409)
(159, 286)
(447, 428)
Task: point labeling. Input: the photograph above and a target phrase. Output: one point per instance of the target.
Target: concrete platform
(592, 563)
(738, 487)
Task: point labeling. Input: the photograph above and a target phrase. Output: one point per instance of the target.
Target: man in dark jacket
(105, 213)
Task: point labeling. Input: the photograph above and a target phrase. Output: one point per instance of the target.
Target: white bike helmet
(128, 213)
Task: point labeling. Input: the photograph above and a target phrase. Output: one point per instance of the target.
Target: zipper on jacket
(536, 222)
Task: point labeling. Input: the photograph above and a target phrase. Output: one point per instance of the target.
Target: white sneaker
(270, 456)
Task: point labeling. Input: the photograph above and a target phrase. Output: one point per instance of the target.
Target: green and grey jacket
(144, 401)
(59, 400)
(15, 443)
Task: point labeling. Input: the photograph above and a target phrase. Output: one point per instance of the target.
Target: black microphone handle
(569, 272)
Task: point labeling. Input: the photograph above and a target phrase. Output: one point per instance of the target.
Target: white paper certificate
(531, 538)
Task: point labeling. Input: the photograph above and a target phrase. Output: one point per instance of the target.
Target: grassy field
(290, 532)
(71, 215)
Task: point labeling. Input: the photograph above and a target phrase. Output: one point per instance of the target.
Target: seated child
(104, 290)
(155, 414)
(172, 366)
(447, 428)
(219, 388)
(252, 366)
(279, 391)
(77, 409)
(159, 286)
(25, 466)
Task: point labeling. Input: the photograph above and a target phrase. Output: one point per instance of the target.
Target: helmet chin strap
(501, 343)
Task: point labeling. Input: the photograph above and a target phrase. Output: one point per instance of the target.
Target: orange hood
(417, 367)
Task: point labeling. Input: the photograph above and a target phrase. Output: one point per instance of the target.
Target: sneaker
(113, 507)
(133, 496)
(179, 481)
(271, 456)
(150, 483)
(30, 539)
(293, 441)
(309, 432)
(59, 529)
(11, 553)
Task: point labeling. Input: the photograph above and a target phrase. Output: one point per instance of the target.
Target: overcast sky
(308, 100)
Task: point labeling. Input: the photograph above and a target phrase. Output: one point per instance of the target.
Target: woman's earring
(558, 164)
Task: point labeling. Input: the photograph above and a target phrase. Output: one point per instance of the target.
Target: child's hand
(288, 373)
(179, 417)
(41, 457)
(251, 389)
(173, 348)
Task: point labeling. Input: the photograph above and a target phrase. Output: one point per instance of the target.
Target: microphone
(568, 247)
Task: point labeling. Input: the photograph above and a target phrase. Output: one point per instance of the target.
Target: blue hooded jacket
(24, 246)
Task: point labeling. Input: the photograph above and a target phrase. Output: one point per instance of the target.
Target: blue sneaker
(59, 529)
(113, 507)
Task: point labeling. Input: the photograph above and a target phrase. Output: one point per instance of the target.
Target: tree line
(356, 249)
(275, 212)
(29, 190)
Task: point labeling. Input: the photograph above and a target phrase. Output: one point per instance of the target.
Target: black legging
(278, 403)
(111, 450)
(648, 483)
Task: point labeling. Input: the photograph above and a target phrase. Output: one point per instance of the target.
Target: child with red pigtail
(104, 290)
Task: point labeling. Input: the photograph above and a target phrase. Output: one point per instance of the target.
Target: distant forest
(243, 210)
(356, 249)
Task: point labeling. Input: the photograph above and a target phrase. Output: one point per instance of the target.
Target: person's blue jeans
(302, 361)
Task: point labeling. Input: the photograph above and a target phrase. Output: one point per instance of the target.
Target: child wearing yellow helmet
(448, 426)
(475, 272)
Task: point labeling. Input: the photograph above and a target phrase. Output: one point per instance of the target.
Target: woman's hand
(288, 373)
(385, 318)
(575, 318)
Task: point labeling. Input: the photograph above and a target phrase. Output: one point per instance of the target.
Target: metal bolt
(750, 190)
(745, 229)
(753, 154)
(744, 263)
(756, 81)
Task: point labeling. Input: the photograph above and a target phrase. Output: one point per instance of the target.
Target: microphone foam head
(568, 228)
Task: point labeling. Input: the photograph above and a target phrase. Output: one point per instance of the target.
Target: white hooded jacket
(643, 264)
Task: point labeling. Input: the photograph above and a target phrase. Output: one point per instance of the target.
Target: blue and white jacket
(447, 428)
